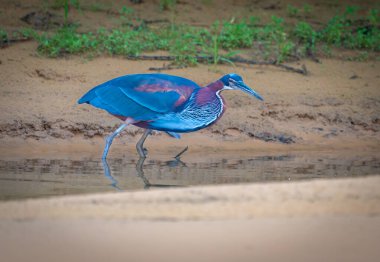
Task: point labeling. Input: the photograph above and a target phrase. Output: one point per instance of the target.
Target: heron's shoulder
(157, 80)
(138, 86)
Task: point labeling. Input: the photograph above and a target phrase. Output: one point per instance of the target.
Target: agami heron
(162, 102)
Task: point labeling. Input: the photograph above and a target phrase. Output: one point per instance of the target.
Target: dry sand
(305, 221)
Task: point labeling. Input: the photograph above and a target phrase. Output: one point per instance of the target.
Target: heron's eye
(232, 82)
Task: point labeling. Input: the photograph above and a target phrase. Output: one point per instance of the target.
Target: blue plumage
(162, 102)
(155, 92)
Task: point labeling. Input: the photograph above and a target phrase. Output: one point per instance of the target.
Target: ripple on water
(26, 178)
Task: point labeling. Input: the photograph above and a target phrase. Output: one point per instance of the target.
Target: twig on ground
(8, 42)
(204, 59)
(166, 67)
(302, 71)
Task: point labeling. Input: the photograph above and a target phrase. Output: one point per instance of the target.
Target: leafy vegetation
(65, 4)
(235, 35)
(224, 39)
(306, 35)
(3, 36)
(65, 41)
(293, 11)
(346, 31)
(167, 4)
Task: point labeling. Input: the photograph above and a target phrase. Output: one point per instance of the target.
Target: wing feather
(117, 103)
(158, 92)
(141, 96)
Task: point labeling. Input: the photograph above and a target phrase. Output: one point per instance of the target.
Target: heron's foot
(176, 162)
(178, 156)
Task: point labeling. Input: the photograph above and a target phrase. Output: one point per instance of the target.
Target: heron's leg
(110, 138)
(140, 143)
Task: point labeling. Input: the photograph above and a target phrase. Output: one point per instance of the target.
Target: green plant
(65, 41)
(167, 4)
(27, 32)
(253, 21)
(66, 12)
(275, 30)
(374, 17)
(285, 49)
(207, 2)
(362, 56)
(306, 34)
(326, 49)
(215, 43)
(184, 50)
(351, 11)
(126, 15)
(364, 39)
(129, 42)
(65, 4)
(345, 31)
(307, 10)
(58, 4)
(215, 49)
(98, 7)
(275, 39)
(235, 35)
(334, 32)
(223, 40)
(3, 36)
(292, 11)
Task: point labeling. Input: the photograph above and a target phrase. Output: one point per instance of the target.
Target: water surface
(30, 178)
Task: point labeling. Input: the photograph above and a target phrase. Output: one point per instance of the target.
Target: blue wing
(141, 96)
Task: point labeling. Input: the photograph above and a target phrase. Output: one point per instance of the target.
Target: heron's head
(235, 82)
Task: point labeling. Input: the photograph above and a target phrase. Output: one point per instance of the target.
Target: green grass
(98, 7)
(235, 35)
(293, 11)
(306, 35)
(3, 36)
(21, 34)
(347, 31)
(65, 41)
(224, 39)
(167, 4)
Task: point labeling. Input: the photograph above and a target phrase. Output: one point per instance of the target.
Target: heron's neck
(215, 86)
(209, 97)
(204, 108)
(207, 93)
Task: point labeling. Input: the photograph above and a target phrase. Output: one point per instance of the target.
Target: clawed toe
(178, 156)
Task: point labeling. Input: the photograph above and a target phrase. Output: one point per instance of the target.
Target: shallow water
(30, 178)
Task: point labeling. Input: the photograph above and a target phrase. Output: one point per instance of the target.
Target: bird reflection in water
(140, 171)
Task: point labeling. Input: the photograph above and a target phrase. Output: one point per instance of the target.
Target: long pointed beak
(240, 85)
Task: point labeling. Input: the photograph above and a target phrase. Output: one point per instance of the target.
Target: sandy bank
(325, 220)
(322, 197)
